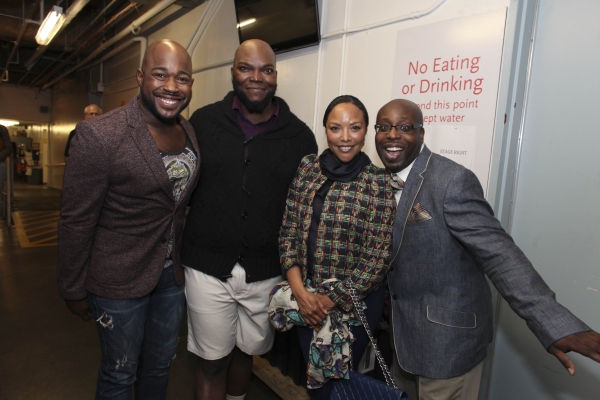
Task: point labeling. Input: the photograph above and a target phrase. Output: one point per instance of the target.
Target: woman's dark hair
(346, 98)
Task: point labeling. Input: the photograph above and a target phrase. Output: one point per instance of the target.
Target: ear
(139, 76)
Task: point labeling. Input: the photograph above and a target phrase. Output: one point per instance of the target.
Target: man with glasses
(445, 241)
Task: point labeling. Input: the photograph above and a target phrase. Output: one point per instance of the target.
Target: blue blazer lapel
(145, 143)
(412, 186)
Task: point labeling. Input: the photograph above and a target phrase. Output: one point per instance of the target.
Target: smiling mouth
(168, 102)
(393, 152)
(345, 149)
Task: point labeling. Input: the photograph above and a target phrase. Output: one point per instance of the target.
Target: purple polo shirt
(249, 129)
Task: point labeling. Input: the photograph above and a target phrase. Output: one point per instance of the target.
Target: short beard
(254, 107)
(152, 108)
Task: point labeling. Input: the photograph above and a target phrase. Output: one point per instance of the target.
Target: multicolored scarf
(330, 355)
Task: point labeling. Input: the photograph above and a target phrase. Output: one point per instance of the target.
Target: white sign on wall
(451, 69)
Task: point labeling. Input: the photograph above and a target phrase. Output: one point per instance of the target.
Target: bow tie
(396, 182)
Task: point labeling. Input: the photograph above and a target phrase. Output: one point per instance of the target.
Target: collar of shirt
(248, 127)
(404, 174)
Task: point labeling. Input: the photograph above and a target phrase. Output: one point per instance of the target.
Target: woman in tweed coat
(337, 224)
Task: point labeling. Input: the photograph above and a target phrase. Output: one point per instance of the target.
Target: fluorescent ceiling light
(50, 27)
(246, 22)
(7, 122)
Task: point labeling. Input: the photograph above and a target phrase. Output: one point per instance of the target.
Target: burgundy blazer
(117, 209)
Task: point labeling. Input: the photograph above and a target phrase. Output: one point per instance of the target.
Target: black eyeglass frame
(398, 127)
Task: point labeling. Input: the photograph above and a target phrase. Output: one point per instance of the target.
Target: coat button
(395, 297)
(391, 269)
(247, 161)
(244, 216)
(241, 258)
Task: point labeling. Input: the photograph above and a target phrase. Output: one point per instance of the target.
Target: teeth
(169, 101)
(345, 148)
(394, 149)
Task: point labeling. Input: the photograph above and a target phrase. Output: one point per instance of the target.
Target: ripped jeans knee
(105, 321)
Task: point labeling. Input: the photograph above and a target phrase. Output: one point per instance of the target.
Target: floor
(45, 352)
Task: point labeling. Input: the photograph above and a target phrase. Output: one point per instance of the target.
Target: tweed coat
(446, 240)
(354, 235)
(117, 209)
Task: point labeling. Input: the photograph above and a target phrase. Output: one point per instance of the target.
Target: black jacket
(231, 221)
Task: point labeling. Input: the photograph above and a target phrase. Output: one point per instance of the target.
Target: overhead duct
(20, 37)
(71, 13)
(160, 6)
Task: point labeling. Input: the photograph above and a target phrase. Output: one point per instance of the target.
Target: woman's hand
(312, 307)
(326, 302)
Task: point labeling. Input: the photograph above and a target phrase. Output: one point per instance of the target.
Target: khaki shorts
(222, 315)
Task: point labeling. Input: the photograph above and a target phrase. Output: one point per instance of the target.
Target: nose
(256, 76)
(345, 135)
(394, 133)
(171, 85)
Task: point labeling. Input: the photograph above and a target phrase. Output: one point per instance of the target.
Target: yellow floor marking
(28, 224)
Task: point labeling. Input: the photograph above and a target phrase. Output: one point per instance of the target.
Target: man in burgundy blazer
(129, 178)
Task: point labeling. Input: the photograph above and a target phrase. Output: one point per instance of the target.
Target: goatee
(152, 108)
(254, 106)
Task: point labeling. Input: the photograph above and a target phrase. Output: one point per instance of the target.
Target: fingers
(311, 310)
(86, 316)
(564, 360)
(586, 343)
(79, 308)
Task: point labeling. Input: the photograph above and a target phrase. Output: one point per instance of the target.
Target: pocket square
(418, 214)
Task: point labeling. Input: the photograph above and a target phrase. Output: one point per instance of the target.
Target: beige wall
(22, 103)
(308, 79)
(69, 98)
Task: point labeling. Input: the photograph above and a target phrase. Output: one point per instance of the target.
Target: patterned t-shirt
(180, 166)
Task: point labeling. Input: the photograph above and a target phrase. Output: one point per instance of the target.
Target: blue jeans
(138, 339)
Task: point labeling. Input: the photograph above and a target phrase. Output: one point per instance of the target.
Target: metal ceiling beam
(70, 14)
(20, 36)
(158, 7)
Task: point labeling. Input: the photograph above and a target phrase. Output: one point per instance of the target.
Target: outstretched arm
(585, 343)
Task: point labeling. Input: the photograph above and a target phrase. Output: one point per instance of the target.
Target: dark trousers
(374, 302)
(138, 339)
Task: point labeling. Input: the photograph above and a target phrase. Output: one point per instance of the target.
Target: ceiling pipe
(20, 36)
(143, 45)
(70, 14)
(41, 79)
(93, 23)
(160, 6)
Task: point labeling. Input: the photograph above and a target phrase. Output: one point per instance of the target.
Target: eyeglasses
(400, 127)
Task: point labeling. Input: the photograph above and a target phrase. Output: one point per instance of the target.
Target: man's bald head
(166, 47)
(165, 81)
(91, 111)
(407, 105)
(254, 47)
